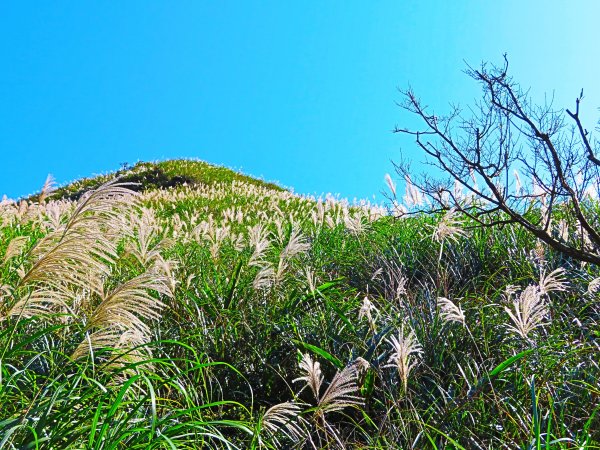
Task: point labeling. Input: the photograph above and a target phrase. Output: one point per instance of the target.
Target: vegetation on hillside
(204, 309)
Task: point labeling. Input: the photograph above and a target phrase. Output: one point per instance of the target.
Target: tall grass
(215, 311)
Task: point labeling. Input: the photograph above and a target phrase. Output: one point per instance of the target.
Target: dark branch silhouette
(483, 156)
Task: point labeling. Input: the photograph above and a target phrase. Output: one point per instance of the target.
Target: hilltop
(145, 176)
(183, 305)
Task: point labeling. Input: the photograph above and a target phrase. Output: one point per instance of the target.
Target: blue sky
(303, 93)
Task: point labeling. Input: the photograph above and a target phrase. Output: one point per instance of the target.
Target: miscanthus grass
(188, 306)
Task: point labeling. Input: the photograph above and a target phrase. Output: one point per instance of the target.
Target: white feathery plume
(366, 310)
(391, 184)
(310, 278)
(15, 247)
(53, 213)
(518, 184)
(39, 303)
(258, 238)
(145, 244)
(404, 358)
(449, 227)
(312, 375)
(563, 230)
(355, 224)
(594, 286)
(47, 189)
(129, 305)
(264, 278)
(413, 196)
(528, 313)
(554, 281)
(449, 311)
(457, 191)
(339, 393)
(296, 244)
(283, 418)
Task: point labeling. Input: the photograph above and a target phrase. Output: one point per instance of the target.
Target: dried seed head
(449, 311)
(554, 281)
(449, 227)
(366, 311)
(311, 374)
(528, 312)
(404, 358)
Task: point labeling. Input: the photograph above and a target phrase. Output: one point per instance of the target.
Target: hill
(182, 305)
(145, 176)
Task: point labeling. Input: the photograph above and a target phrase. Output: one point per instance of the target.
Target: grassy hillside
(200, 308)
(145, 176)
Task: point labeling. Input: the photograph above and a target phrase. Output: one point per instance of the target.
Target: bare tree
(509, 161)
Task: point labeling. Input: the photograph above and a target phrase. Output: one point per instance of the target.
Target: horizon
(303, 96)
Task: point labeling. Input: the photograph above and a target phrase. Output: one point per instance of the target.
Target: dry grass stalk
(339, 393)
(366, 310)
(449, 227)
(15, 247)
(528, 312)
(284, 418)
(449, 311)
(553, 282)
(406, 349)
(312, 375)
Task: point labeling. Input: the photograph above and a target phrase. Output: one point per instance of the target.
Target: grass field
(200, 308)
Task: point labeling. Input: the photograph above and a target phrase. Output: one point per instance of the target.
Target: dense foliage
(204, 309)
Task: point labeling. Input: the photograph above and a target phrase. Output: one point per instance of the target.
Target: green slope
(161, 175)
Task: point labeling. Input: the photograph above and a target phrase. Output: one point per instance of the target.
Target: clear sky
(302, 93)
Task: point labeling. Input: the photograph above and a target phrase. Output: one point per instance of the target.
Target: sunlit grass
(211, 310)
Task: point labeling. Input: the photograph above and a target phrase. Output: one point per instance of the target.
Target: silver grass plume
(283, 418)
(119, 319)
(310, 279)
(47, 189)
(258, 238)
(39, 303)
(339, 393)
(554, 281)
(594, 286)
(312, 375)
(413, 196)
(130, 304)
(165, 268)
(146, 242)
(449, 311)
(77, 254)
(269, 275)
(105, 202)
(366, 311)
(391, 184)
(69, 260)
(15, 247)
(406, 349)
(449, 227)
(296, 244)
(528, 312)
(355, 224)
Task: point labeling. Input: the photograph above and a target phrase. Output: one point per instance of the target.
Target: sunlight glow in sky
(303, 93)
